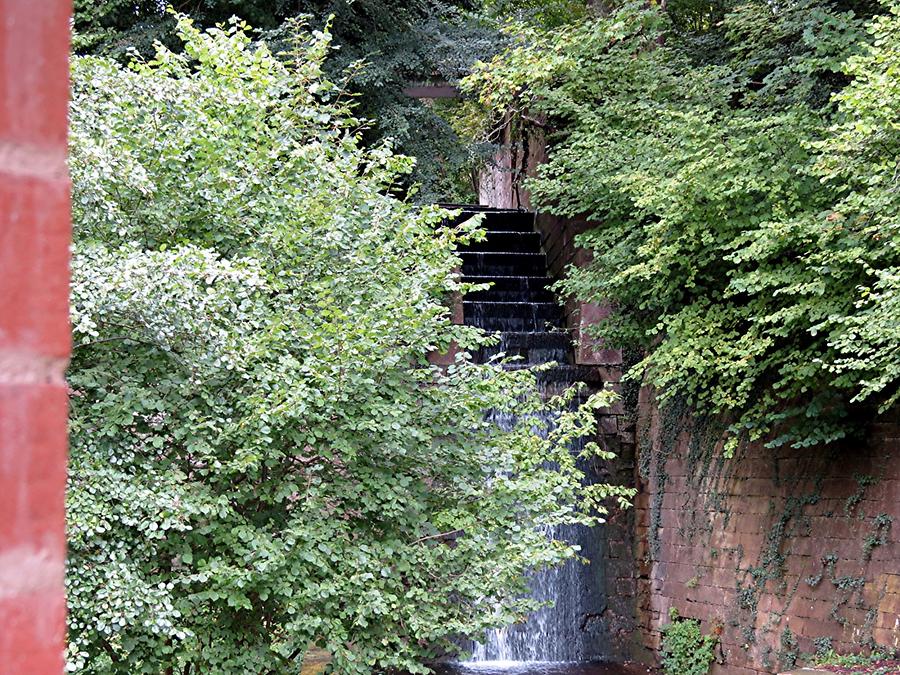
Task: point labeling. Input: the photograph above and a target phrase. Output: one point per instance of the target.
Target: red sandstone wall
(775, 549)
(558, 235)
(501, 186)
(500, 183)
(34, 332)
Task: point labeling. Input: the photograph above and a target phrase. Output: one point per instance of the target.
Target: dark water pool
(539, 668)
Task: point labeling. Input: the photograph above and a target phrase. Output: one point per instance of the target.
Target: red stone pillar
(34, 332)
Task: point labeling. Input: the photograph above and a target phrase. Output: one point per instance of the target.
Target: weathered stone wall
(614, 568)
(501, 182)
(558, 236)
(781, 552)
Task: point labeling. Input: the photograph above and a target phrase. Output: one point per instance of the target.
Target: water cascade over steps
(531, 323)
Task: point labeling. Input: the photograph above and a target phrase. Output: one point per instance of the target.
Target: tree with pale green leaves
(262, 457)
(740, 164)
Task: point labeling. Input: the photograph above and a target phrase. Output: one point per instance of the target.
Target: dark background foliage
(381, 47)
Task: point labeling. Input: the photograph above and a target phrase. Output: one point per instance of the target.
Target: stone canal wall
(779, 552)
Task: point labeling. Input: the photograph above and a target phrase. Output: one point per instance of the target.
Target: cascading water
(520, 307)
(561, 631)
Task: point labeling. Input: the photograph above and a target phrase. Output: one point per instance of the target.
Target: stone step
(493, 295)
(592, 376)
(512, 289)
(512, 284)
(512, 316)
(504, 264)
(533, 348)
(507, 242)
(501, 220)
(508, 221)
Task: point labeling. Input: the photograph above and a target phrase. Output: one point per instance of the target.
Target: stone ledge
(315, 662)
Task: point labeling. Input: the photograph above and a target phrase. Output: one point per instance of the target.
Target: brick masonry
(779, 551)
(619, 621)
(558, 235)
(34, 332)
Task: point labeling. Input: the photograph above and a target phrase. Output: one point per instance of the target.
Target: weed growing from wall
(685, 649)
(862, 483)
(788, 654)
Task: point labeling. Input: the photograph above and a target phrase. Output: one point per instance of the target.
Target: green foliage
(863, 482)
(547, 13)
(823, 646)
(262, 458)
(685, 649)
(400, 43)
(743, 178)
(881, 528)
(116, 27)
(382, 47)
(878, 662)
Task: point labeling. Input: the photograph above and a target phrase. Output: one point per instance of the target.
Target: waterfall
(562, 631)
(531, 325)
(551, 633)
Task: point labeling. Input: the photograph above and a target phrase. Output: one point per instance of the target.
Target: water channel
(538, 668)
(567, 637)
